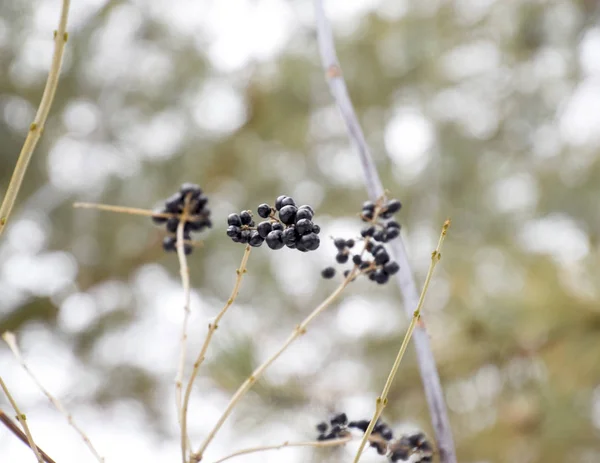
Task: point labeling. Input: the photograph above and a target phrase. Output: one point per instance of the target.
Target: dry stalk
(201, 356)
(382, 400)
(37, 126)
(12, 427)
(10, 339)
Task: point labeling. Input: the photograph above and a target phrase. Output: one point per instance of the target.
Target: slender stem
(427, 367)
(185, 282)
(12, 427)
(123, 210)
(382, 400)
(37, 126)
(316, 444)
(23, 420)
(9, 338)
(212, 327)
(246, 385)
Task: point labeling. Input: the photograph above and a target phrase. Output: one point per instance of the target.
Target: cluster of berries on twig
(190, 205)
(415, 446)
(284, 225)
(374, 259)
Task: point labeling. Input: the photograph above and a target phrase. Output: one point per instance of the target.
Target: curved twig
(429, 374)
(37, 126)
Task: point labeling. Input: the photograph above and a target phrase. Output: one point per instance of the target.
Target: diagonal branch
(37, 126)
(10, 339)
(429, 374)
(12, 427)
(23, 420)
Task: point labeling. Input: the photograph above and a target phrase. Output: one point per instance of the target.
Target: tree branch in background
(12, 427)
(37, 126)
(10, 339)
(23, 420)
(429, 374)
(212, 327)
(382, 400)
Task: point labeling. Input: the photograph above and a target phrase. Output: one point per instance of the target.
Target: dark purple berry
(246, 217)
(368, 206)
(392, 206)
(274, 240)
(307, 207)
(339, 419)
(255, 239)
(234, 219)
(392, 224)
(391, 268)
(289, 236)
(350, 243)
(264, 228)
(310, 241)
(287, 214)
(264, 211)
(365, 264)
(232, 231)
(277, 226)
(379, 235)
(341, 258)
(367, 215)
(304, 214)
(356, 259)
(244, 236)
(382, 257)
(340, 243)
(361, 424)
(380, 276)
(169, 243)
(174, 204)
(278, 202)
(316, 229)
(172, 224)
(328, 273)
(288, 201)
(304, 226)
(392, 233)
(367, 231)
(322, 427)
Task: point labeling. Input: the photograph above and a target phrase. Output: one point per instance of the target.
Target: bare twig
(429, 374)
(37, 126)
(185, 282)
(123, 210)
(315, 444)
(12, 427)
(23, 420)
(10, 339)
(246, 385)
(201, 356)
(382, 400)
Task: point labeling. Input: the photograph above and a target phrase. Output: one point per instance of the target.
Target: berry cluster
(285, 225)
(336, 429)
(188, 204)
(410, 446)
(374, 259)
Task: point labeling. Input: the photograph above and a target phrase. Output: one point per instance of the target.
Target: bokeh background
(484, 111)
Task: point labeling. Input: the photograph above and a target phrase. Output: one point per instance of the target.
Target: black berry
(264, 228)
(264, 210)
(328, 273)
(274, 240)
(234, 219)
(287, 214)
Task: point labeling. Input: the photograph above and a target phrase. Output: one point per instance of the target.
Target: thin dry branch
(10, 339)
(382, 400)
(185, 282)
(212, 327)
(37, 126)
(23, 420)
(315, 444)
(257, 373)
(429, 374)
(12, 427)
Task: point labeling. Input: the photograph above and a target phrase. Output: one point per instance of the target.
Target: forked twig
(9, 338)
(315, 444)
(382, 400)
(12, 427)
(23, 420)
(257, 373)
(429, 374)
(201, 356)
(37, 126)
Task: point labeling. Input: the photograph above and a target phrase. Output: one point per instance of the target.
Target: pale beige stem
(37, 126)
(246, 385)
(23, 420)
(10, 339)
(382, 400)
(315, 444)
(123, 210)
(201, 356)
